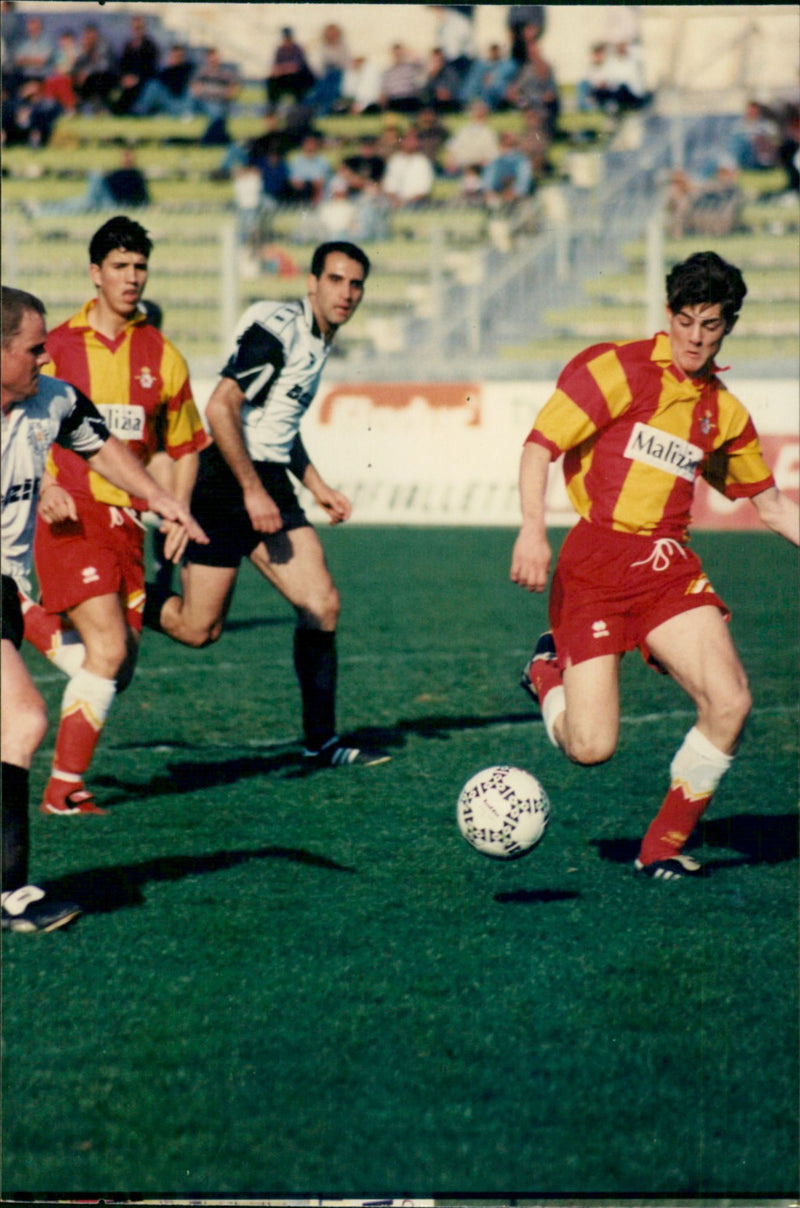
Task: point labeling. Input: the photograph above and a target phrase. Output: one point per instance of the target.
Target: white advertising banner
(448, 452)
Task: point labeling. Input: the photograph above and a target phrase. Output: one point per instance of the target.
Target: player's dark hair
(338, 245)
(704, 280)
(117, 234)
(16, 304)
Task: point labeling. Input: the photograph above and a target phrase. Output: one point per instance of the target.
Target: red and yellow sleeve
(184, 429)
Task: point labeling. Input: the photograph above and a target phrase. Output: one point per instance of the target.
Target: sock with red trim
(45, 630)
(695, 772)
(85, 706)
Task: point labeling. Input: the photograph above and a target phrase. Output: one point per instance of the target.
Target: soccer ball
(502, 812)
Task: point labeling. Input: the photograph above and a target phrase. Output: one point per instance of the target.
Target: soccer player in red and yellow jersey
(638, 423)
(91, 569)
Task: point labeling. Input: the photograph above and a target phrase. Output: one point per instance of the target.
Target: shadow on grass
(527, 897)
(100, 890)
(759, 838)
(190, 777)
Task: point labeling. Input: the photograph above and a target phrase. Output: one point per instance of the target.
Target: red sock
(84, 709)
(672, 825)
(42, 629)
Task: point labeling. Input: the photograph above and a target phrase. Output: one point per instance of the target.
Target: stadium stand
(529, 278)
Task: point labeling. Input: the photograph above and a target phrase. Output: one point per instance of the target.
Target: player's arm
(336, 504)
(779, 513)
(184, 475)
(55, 503)
(115, 461)
(530, 560)
(224, 416)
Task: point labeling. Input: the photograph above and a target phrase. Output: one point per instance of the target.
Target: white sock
(553, 706)
(69, 653)
(91, 692)
(699, 765)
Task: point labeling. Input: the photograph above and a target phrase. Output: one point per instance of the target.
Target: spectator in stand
(522, 20)
(58, 85)
(309, 170)
(168, 91)
(623, 88)
(290, 75)
(595, 78)
(432, 134)
(329, 61)
(138, 63)
(535, 85)
(789, 149)
(390, 137)
(274, 174)
(535, 142)
(35, 54)
(708, 206)
(454, 36)
(12, 24)
(212, 89)
(508, 176)
(488, 79)
(755, 139)
(340, 216)
(409, 174)
(361, 87)
(473, 144)
(365, 167)
(95, 70)
(441, 88)
(124, 187)
(401, 82)
(248, 197)
(30, 117)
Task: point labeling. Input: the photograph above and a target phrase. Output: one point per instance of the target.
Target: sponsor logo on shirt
(123, 420)
(663, 451)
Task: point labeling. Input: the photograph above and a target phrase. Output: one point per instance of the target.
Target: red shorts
(610, 590)
(99, 554)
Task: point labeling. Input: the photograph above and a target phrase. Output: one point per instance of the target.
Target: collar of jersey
(662, 355)
(81, 319)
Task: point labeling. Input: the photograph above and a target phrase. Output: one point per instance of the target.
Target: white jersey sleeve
(277, 362)
(56, 413)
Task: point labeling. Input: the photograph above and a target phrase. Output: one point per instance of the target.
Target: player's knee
(23, 733)
(730, 707)
(588, 749)
(323, 608)
(200, 633)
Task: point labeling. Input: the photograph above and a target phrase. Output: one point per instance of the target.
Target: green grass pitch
(308, 986)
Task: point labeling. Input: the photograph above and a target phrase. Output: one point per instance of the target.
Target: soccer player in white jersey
(36, 411)
(246, 502)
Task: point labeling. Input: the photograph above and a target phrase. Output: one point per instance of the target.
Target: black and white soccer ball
(502, 812)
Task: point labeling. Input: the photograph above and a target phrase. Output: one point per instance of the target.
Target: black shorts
(218, 507)
(13, 624)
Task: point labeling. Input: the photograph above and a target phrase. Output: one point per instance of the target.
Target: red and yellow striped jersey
(140, 384)
(637, 432)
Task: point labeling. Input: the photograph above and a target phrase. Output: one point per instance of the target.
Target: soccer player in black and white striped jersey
(247, 504)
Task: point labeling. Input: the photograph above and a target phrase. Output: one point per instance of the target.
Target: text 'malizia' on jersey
(637, 432)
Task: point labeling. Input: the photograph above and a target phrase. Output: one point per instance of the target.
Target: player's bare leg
(110, 651)
(588, 729)
(294, 563)
(197, 617)
(697, 651)
(23, 724)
